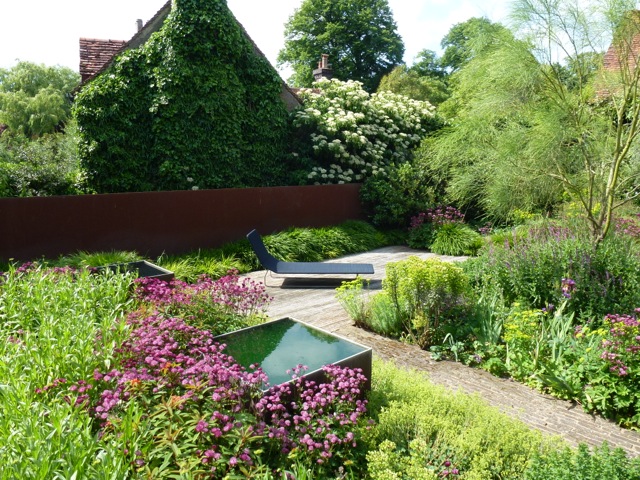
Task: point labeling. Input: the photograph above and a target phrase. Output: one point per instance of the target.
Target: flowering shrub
(596, 363)
(222, 305)
(205, 414)
(438, 216)
(529, 268)
(317, 425)
(424, 226)
(614, 388)
(356, 135)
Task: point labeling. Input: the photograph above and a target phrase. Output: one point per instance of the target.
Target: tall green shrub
(194, 107)
(390, 200)
(46, 165)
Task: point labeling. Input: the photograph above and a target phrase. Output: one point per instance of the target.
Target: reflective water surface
(280, 345)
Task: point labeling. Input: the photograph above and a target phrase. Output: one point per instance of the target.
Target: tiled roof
(619, 57)
(94, 57)
(95, 53)
(612, 59)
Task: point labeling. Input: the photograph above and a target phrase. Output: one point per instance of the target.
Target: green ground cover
(104, 377)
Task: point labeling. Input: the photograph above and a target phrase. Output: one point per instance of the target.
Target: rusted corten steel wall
(171, 222)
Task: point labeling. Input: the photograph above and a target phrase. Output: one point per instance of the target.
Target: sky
(48, 32)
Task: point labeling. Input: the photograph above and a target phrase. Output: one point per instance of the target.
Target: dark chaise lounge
(270, 263)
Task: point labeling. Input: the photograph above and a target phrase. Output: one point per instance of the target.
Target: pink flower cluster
(621, 348)
(629, 226)
(239, 296)
(449, 471)
(315, 419)
(29, 267)
(169, 354)
(166, 361)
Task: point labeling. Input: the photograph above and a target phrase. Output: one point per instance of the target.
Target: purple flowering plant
(223, 305)
(629, 226)
(567, 286)
(423, 226)
(205, 413)
(614, 388)
(438, 216)
(315, 422)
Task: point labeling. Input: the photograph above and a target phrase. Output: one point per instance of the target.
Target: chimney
(139, 24)
(324, 69)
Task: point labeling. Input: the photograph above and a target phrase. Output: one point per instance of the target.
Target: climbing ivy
(193, 107)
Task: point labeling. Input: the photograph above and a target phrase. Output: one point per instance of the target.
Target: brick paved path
(552, 416)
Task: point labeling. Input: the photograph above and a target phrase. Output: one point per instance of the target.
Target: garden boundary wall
(152, 223)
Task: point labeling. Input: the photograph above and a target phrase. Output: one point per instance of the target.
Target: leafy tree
(582, 69)
(47, 165)
(408, 82)
(430, 77)
(359, 36)
(594, 150)
(479, 154)
(34, 99)
(428, 64)
(526, 133)
(465, 39)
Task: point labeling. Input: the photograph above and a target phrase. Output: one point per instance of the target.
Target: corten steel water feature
(281, 345)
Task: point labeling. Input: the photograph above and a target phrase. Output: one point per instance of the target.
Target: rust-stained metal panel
(171, 222)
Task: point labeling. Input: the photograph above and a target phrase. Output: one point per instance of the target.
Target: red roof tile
(613, 60)
(95, 53)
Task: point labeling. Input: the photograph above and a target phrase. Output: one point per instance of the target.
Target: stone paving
(318, 306)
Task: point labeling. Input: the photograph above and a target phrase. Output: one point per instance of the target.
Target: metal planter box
(143, 268)
(281, 345)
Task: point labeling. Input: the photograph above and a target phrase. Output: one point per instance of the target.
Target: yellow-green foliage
(480, 441)
(352, 298)
(423, 285)
(425, 291)
(387, 463)
(521, 325)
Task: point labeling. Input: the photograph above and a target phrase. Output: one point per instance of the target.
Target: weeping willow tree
(539, 117)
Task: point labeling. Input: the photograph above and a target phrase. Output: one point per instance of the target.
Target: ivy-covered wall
(193, 107)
